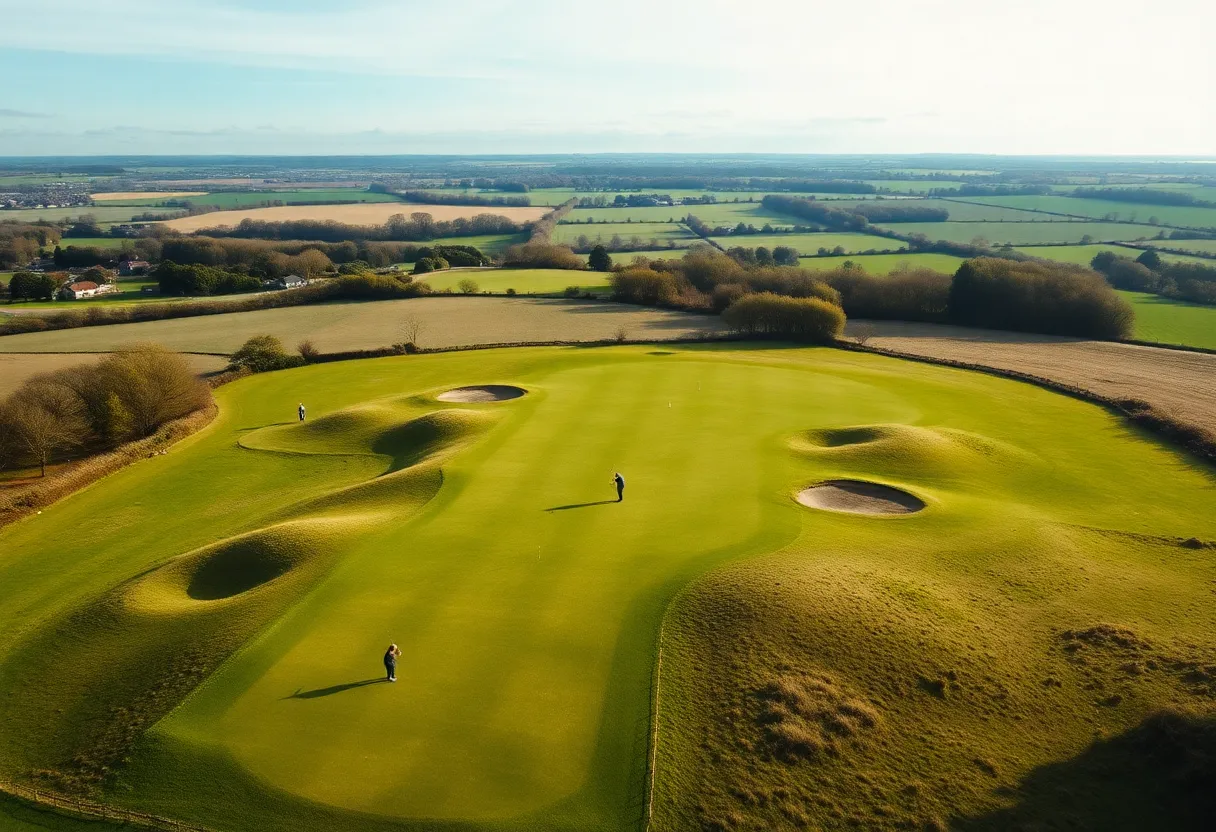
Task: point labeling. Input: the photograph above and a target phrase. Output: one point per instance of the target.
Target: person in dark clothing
(301, 411)
(620, 487)
(390, 662)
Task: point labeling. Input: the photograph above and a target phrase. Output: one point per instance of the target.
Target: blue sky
(257, 76)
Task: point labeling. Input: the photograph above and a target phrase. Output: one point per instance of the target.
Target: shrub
(1052, 298)
(799, 319)
(645, 286)
(377, 287)
(571, 291)
(599, 259)
(542, 256)
(726, 294)
(467, 286)
(263, 353)
(510, 291)
(307, 350)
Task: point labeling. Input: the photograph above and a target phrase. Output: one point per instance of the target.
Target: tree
(467, 286)
(599, 260)
(1150, 259)
(47, 418)
(262, 353)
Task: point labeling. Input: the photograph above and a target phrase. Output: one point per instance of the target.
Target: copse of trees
(905, 294)
(817, 212)
(202, 281)
(1052, 298)
(765, 314)
(436, 198)
(93, 407)
(1194, 282)
(1144, 196)
(992, 190)
(761, 256)
(20, 242)
(899, 211)
(542, 255)
(32, 286)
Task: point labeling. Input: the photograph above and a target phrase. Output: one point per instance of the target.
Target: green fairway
(523, 281)
(1168, 321)
(265, 564)
(811, 243)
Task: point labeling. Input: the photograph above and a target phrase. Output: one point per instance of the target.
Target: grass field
(972, 212)
(376, 213)
(523, 281)
(719, 214)
(486, 243)
(1208, 246)
(142, 197)
(276, 560)
(1077, 255)
(811, 243)
(569, 233)
(1024, 233)
(908, 186)
(1167, 321)
(242, 199)
(104, 214)
(1167, 215)
(340, 326)
(885, 263)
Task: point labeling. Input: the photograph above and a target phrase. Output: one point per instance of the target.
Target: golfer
(301, 411)
(620, 486)
(390, 662)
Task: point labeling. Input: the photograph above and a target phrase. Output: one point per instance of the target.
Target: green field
(1167, 321)
(885, 263)
(103, 214)
(645, 232)
(523, 281)
(1207, 246)
(245, 199)
(909, 186)
(486, 243)
(265, 564)
(970, 212)
(811, 243)
(719, 214)
(1078, 255)
(1024, 233)
(1167, 215)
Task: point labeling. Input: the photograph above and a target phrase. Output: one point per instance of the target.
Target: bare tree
(42, 432)
(411, 331)
(863, 332)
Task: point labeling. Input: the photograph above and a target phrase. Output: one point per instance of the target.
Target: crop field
(15, 368)
(376, 213)
(1024, 233)
(1168, 321)
(104, 214)
(911, 186)
(242, 199)
(722, 213)
(1082, 255)
(142, 197)
(1206, 246)
(811, 243)
(1167, 215)
(885, 263)
(227, 605)
(486, 243)
(341, 326)
(523, 281)
(645, 232)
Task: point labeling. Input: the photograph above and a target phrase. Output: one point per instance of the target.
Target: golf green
(200, 635)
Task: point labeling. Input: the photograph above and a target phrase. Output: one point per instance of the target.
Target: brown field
(336, 327)
(16, 368)
(373, 213)
(1179, 383)
(144, 195)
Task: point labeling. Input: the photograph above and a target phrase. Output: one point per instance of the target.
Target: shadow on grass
(581, 505)
(1161, 774)
(330, 691)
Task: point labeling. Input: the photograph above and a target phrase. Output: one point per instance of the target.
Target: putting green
(263, 566)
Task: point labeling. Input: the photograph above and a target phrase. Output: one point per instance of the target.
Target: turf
(529, 609)
(1167, 321)
(811, 243)
(523, 281)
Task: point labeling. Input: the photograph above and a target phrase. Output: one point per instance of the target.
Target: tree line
(852, 217)
(438, 198)
(1144, 196)
(94, 407)
(418, 227)
(1194, 282)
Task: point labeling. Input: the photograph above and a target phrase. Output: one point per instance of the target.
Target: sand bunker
(859, 497)
(482, 393)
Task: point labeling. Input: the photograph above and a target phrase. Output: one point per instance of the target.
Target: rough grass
(523, 281)
(1168, 321)
(376, 213)
(337, 327)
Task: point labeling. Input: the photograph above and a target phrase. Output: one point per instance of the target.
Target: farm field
(366, 214)
(885, 263)
(811, 243)
(15, 368)
(142, 197)
(104, 214)
(971, 212)
(556, 196)
(1168, 321)
(340, 326)
(569, 233)
(1206, 246)
(282, 558)
(723, 213)
(1023, 233)
(242, 199)
(486, 243)
(1167, 215)
(1173, 381)
(910, 186)
(1082, 255)
(97, 242)
(523, 281)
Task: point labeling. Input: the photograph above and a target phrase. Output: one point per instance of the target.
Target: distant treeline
(992, 190)
(853, 217)
(419, 226)
(435, 198)
(1144, 196)
(20, 242)
(1194, 282)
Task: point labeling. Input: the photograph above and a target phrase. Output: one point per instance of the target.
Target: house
(129, 267)
(291, 281)
(84, 289)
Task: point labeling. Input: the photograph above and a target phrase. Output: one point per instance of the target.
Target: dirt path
(1180, 383)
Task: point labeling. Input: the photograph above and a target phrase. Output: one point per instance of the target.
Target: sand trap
(482, 393)
(859, 497)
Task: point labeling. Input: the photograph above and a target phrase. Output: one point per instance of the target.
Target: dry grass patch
(372, 213)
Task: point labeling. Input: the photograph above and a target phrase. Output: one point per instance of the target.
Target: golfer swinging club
(620, 486)
(301, 411)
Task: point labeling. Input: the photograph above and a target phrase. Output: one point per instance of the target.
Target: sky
(111, 77)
